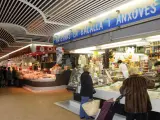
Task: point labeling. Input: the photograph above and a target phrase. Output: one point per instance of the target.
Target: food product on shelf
(56, 69)
(116, 86)
(154, 95)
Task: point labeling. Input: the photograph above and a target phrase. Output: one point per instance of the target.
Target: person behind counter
(157, 66)
(123, 68)
(157, 78)
(86, 91)
(137, 102)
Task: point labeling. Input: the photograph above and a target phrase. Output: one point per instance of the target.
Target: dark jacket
(5, 73)
(137, 98)
(86, 85)
(1, 74)
(9, 75)
(14, 74)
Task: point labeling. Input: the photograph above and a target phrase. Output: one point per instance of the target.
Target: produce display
(56, 69)
(113, 87)
(116, 86)
(36, 75)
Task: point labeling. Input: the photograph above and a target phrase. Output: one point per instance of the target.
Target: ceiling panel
(25, 21)
(45, 17)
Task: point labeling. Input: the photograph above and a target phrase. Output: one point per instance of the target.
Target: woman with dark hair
(86, 91)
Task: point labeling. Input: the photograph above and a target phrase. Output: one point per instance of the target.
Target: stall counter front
(106, 93)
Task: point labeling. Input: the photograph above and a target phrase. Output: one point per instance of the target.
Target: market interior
(45, 44)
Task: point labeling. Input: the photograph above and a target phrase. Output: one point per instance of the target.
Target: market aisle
(19, 104)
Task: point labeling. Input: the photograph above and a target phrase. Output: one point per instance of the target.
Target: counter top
(107, 93)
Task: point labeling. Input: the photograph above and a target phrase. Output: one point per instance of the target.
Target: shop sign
(45, 49)
(137, 12)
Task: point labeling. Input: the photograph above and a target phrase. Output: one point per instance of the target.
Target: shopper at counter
(137, 103)
(157, 78)
(86, 90)
(4, 76)
(9, 76)
(1, 77)
(157, 66)
(123, 68)
(14, 76)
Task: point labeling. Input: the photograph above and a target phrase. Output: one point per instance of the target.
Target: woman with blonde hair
(86, 91)
(137, 102)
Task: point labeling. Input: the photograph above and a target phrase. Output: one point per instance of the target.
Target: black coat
(86, 85)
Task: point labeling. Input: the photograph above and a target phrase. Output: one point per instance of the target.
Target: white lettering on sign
(141, 10)
(124, 18)
(138, 12)
(109, 22)
(135, 14)
(147, 12)
(101, 25)
(119, 20)
(129, 16)
(153, 6)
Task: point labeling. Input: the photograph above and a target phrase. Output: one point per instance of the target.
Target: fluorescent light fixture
(143, 42)
(120, 44)
(23, 48)
(107, 46)
(81, 52)
(15, 51)
(120, 53)
(153, 38)
(43, 45)
(84, 50)
(124, 6)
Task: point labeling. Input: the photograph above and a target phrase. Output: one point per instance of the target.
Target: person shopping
(157, 67)
(9, 76)
(137, 102)
(86, 91)
(1, 76)
(14, 76)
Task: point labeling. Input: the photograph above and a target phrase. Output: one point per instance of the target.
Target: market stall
(37, 70)
(108, 80)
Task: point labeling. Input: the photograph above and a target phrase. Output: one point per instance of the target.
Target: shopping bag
(91, 108)
(109, 109)
(105, 113)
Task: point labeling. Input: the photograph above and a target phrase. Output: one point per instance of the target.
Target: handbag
(91, 108)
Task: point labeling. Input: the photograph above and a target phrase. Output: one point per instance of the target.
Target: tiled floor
(19, 104)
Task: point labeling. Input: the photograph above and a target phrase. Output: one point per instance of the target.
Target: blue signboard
(138, 11)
